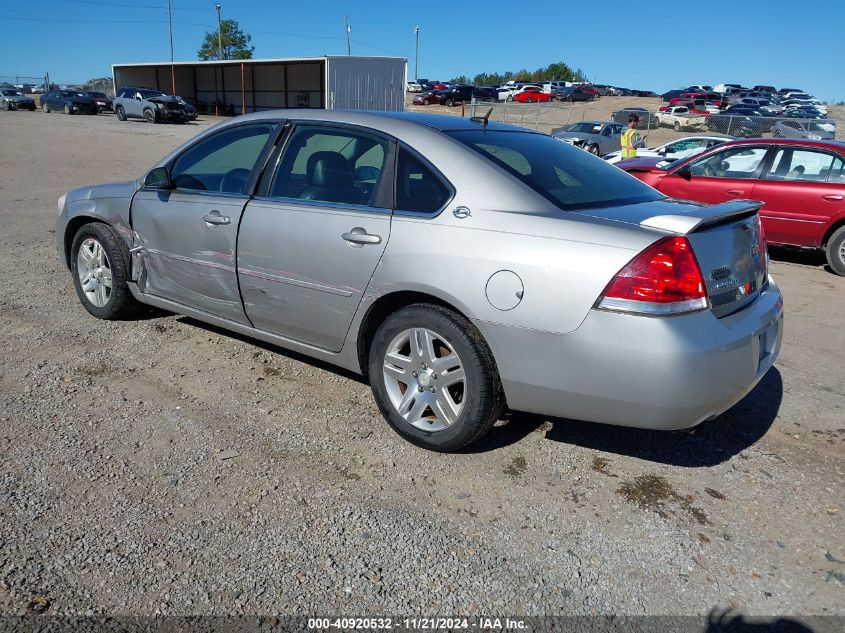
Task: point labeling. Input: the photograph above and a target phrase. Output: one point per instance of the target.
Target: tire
(509, 98)
(68, 109)
(478, 395)
(450, 103)
(7, 106)
(118, 302)
(45, 107)
(529, 100)
(677, 126)
(835, 251)
(149, 116)
(593, 149)
(120, 113)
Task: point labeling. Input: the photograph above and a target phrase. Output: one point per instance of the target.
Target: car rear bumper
(637, 371)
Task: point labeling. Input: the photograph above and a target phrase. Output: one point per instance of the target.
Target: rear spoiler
(703, 216)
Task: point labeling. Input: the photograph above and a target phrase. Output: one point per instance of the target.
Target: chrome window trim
(335, 206)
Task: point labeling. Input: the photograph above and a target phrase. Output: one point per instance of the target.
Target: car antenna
(482, 119)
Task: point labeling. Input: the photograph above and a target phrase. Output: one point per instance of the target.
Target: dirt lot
(164, 466)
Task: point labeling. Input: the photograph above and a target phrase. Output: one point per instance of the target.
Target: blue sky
(638, 44)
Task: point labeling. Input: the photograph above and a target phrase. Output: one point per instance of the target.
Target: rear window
(567, 176)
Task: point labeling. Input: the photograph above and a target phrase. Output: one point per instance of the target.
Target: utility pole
(219, 32)
(348, 31)
(417, 54)
(170, 29)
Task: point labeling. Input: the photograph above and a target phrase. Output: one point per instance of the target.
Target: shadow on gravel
(708, 444)
(731, 622)
(803, 256)
(274, 349)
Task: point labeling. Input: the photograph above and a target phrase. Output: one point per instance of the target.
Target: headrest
(329, 169)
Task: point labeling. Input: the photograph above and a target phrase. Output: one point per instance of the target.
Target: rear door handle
(735, 192)
(359, 236)
(215, 218)
(833, 198)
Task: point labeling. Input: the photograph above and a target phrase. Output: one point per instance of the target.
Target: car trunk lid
(726, 239)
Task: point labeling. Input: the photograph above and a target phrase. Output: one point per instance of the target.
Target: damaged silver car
(464, 266)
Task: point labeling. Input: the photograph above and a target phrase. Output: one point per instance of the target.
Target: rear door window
(805, 165)
(326, 164)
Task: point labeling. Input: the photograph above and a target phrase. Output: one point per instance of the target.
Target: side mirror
(684, 172)
(662, 152)
(158, 178)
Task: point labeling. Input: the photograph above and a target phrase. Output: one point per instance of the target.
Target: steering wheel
(235, 180)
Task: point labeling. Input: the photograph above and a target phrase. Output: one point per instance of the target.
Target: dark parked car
(648, 120)
(573, 94)
(462, 93)
(672, 94)
(104, 103)
(68, 101)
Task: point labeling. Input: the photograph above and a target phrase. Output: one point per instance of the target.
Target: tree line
(559, 70)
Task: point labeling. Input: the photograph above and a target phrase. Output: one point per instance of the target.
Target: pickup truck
(680, 118)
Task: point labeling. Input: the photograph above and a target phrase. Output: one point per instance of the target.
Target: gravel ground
(164, 466)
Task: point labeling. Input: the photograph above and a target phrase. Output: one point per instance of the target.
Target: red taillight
(760, 251)
(663, 279)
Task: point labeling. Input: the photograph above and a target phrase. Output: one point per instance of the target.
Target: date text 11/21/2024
(417, 624)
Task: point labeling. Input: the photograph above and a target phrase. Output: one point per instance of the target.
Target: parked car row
(130, 103)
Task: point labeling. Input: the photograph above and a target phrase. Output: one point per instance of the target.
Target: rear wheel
(835, 251)
(100, 265)
(450, 102)
(434, 378)
(120, 113)
(7, 105)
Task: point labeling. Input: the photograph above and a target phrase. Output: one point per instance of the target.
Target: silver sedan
(597, 137)
(463, 266)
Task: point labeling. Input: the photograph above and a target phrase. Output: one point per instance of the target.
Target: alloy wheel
(425, 379)
(94, 271)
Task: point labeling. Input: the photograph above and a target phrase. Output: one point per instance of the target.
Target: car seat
(330, 178)
(795, 173)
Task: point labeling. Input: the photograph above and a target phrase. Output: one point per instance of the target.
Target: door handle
(215, 218)
(359, 236)
(735, 192)
(833, 198)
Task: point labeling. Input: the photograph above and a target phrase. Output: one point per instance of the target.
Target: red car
(425, 98)
(801, 182)
(589, 90)
(531, 94)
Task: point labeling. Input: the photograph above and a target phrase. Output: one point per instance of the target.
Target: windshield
(567, 176)
(584, 128)
(11, 93)
(149, 94)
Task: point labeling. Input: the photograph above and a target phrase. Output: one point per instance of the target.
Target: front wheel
(7, 105)
(594, 149)
(45, 107)
(120, 113)
(100, 265)
(149, 116)
(434, 378)
(677, 126)
(835, 251)
(68, 109)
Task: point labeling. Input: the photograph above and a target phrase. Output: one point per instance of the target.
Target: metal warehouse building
(241, 86)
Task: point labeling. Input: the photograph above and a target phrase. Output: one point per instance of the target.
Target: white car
(676, 150)
(550, 86)
(413, 86)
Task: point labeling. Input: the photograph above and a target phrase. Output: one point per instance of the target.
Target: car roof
(378, 119)
(823, 144)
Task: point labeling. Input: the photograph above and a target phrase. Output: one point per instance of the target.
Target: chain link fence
(35, 85)
(551, 116)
